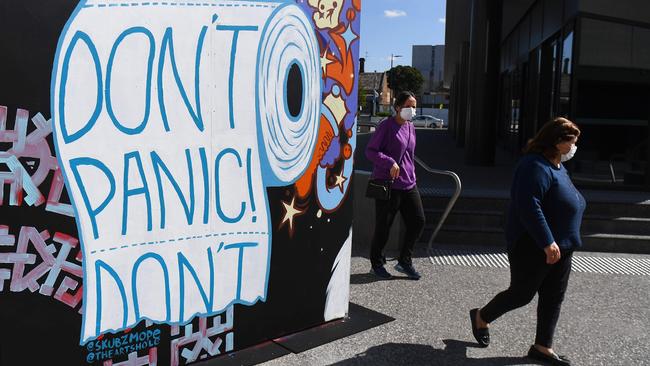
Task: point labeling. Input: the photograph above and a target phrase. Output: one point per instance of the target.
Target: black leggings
(529, 274)
(409, 204)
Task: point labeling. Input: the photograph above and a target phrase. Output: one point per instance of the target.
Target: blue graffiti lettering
(128, 192)
(109, 71)
(217, 164)
(134, 283)
(93, 212)
(159, 165)
(195, 112)
(85, 38)
(206, 290)
(183, 264)
(233, 55)
(99, 265)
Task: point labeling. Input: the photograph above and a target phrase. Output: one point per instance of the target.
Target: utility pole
(392, 56)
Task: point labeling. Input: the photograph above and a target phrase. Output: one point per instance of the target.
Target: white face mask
(568, 156)
(407, 113)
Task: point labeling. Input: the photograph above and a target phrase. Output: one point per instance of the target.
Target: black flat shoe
(482, 335)
(538, 355)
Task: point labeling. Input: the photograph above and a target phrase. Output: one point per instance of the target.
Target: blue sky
(394, 26)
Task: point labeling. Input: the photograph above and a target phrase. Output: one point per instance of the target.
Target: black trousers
(529, 274)
(409, 204)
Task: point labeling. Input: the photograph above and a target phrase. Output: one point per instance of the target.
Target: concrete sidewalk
(605, 320)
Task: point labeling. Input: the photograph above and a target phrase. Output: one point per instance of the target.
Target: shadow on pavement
(365, 278)
(454, 353)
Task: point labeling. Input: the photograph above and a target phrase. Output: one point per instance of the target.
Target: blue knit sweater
(545, 204)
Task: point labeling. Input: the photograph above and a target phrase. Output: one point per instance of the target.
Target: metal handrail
(635, 149)
(611, 166)
(450, 205)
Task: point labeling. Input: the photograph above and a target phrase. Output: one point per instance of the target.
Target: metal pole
(392, 56)
(390, 99)
(450, 205)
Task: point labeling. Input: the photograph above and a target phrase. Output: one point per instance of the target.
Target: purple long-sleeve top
(387, 145)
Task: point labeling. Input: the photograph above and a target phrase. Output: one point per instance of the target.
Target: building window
(549, 79)
(566, 70)
(515, 103)
(533, 98)
(555, 47)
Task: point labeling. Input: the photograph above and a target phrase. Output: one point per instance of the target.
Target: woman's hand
(394, 171)
(552, 253)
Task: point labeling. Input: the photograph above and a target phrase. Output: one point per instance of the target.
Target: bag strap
(406, 149)
(404, 153)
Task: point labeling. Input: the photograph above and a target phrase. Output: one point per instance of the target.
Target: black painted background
(38, 330)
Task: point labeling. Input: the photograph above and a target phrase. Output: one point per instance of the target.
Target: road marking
(581, 262)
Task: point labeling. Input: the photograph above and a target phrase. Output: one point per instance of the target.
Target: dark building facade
(514, 64)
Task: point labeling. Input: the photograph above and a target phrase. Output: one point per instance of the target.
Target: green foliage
(362, 97)
(401, 78)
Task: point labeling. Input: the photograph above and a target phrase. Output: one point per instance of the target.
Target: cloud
(442, 20)
(394, 13)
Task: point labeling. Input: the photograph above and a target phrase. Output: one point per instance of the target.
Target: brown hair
(552, 133)
(402, 97)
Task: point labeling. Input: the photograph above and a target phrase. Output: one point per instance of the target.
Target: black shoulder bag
(380, 188)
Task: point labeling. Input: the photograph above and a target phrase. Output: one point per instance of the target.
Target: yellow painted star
(340, 180)
(290, 212)
(324, 61)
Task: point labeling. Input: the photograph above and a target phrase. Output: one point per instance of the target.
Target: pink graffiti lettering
(53, 262)
(34, 151)
(202, 339)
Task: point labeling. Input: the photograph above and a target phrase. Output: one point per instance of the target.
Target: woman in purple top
(392, 150)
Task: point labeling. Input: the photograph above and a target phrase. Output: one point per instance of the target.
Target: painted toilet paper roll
(170, 121)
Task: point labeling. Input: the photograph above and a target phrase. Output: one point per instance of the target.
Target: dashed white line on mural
(179, 239)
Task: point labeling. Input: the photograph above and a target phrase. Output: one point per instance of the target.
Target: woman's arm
(375, 145)
(531, 184)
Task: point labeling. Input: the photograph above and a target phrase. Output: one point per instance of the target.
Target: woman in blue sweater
(542, 231)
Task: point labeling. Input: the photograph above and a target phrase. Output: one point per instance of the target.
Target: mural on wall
(192, 176)
(184, 166)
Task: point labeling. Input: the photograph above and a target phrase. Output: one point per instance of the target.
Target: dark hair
(552, 133)
(402, 97)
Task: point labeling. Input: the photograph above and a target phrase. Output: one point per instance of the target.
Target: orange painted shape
(347, 151)
(343, 71)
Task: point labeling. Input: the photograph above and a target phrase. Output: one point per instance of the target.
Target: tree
(362, 97)
(401, 78)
